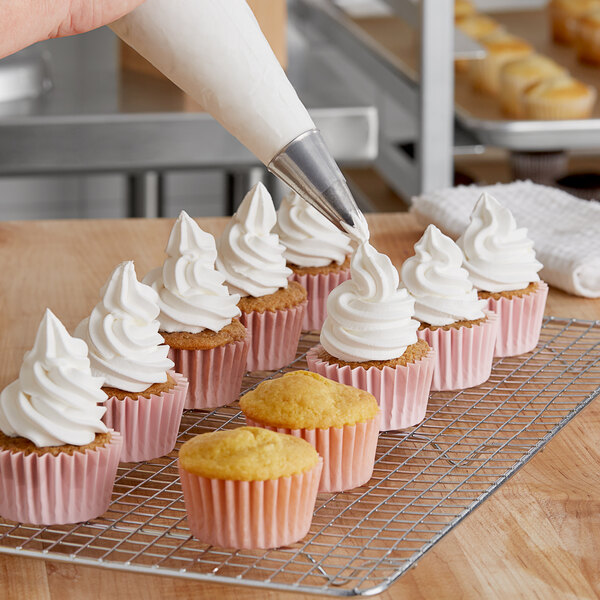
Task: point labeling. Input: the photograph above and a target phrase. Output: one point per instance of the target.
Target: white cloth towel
(564, 229)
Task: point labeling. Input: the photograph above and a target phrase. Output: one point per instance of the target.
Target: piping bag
(215, 51)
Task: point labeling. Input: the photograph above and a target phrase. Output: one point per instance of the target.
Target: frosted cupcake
(369, 340)
(502, 265)
(452, 319)
(316, 251)
(249, 487)
(340, 421)
(253, 263)
(58, 460)
(197, 317)
(145, 397)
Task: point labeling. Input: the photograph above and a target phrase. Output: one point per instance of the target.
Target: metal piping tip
(306, 165)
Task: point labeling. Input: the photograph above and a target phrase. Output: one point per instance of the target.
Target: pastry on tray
(502, 265)
(249, 487)
(475, 26)
(452, 318)
(564, 15)
(58, 460)
(463, 8)
(369, 340)
(316, 251)
(198, 317)
(587, 37)
(145, 396)
(253, 263)
(340, 421)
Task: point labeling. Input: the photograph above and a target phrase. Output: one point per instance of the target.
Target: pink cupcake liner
(520, 321)
(402, 392)
(215, 375)
(318, 287)
(149, 425)
(464, 356)
(52, 490)
(250, 514)
(274, 337)
(348, 452)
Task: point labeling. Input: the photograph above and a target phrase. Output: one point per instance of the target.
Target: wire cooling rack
(425, 481)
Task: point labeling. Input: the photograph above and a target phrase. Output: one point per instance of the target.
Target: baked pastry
(369, 340)
(502, 265)
(252, 261)
(52, 435)
(145, 396)
(452, 319)
(463, 8)
(517, 75)
(560, 97)
(316, 251)
(501, 48)
(587, 37)
(270, 478)
(475, 26)
(340, 421)
(198, 317)
(564, 15)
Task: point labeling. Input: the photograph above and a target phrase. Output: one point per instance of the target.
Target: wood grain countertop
(538, 536)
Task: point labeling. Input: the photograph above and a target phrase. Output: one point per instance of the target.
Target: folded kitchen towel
(564, 229)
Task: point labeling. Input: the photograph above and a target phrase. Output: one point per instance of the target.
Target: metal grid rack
(425, 481)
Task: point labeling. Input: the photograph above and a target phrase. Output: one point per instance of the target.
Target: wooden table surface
(538, 536)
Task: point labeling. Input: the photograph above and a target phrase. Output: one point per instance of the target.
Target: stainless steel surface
(426, 480)
(23, 76)
(306, 165)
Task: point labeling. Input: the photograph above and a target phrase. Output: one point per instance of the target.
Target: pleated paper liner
(215, 375)
(464, 355)
(250, 514)
(401, 392)
(52, 490)
(520, 321)
(149, 425)
(318, 287)
(274, 337)
(348, 452)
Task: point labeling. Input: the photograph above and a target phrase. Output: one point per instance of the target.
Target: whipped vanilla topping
(249, 253)
(441, 287)
(125, 348)
(368, 317)
(310, 239)
(55, 399)
(192, 295)
(498, 255)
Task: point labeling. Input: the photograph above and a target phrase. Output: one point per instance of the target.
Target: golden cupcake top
(591, 18)
(304, 400)
(246, 454)
(500, 42)
(558, 88)
(477, 26)
(462, 8)
(533, 66)
(575, 7)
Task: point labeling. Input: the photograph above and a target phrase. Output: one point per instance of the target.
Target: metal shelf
(426, 480)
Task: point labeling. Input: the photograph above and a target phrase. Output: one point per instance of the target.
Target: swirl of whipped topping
(498, 255)
(310, 239)
(55, 399)
(441, 287)
(249, 254)
(192, 296)
(368, 317)
(125, 348)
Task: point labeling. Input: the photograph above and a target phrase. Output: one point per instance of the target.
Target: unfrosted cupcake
(145, 396)
(58, 460)
(253, 263)
(558, 98)
(208, 344)
(587, 38)
(452, 319)
(316, 251)
(463, 8)
(502, 265)
(369, 340)
(340, 421)
(564, 15)
(475, 26)
(249, 487)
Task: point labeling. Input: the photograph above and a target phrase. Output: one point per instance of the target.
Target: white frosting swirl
(55, 399)
(125, 347)
(441, 287)
(192, 296)
(310, 239)
(498, 256)
(250, 255)
(368, 317)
